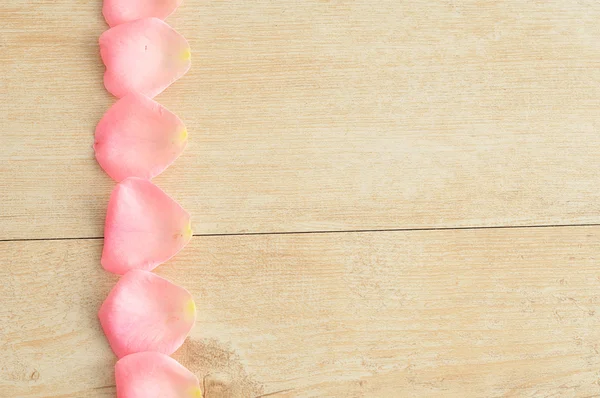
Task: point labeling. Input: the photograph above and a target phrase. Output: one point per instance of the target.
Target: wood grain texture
(320, 115)
(494, 313)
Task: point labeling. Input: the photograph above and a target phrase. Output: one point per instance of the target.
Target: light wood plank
(320, 115)
(511, 312)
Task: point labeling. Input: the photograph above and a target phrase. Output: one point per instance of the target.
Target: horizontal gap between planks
(334, 231)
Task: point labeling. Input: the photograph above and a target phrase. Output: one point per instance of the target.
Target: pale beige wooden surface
(320, 115)
(494, 313)
(323, 116)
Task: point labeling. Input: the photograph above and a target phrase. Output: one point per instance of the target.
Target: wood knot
(219, 367)
(217, 384)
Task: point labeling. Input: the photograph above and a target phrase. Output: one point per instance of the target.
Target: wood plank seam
(473, 228)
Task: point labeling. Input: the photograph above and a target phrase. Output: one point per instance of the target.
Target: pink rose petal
(117, 12)
(138, 137)
(144, 227)
(145, 312)
(154, 375)
(144, 56)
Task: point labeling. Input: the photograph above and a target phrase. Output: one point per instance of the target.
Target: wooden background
(390, 198)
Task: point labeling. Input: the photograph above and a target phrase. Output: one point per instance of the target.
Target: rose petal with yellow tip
(154, 375)
(144, 312)
(117, 12)
(138, 137)
(144, 227)
(144, 56)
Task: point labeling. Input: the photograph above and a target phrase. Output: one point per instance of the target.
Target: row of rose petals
(145, 317)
